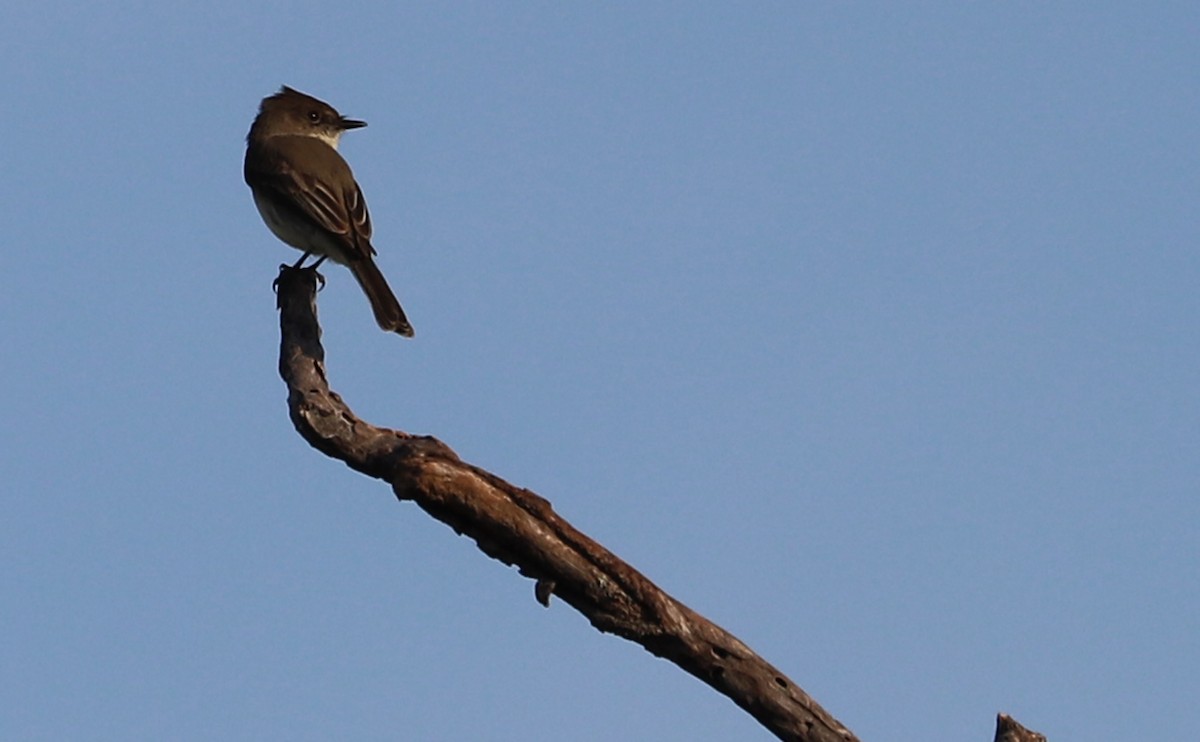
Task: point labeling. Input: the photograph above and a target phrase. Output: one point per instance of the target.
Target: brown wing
(333, 200)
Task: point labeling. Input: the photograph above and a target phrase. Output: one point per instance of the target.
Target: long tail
(384, 304)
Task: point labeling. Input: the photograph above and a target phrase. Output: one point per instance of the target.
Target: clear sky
(867, 330)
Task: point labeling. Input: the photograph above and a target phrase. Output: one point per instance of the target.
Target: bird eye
(314, 117)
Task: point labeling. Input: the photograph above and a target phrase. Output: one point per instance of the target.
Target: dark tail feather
(387, 309)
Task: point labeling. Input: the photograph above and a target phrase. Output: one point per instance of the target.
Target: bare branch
(518, 527)
(1008, 730)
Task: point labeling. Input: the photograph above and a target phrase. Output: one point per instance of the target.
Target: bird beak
(346, 124)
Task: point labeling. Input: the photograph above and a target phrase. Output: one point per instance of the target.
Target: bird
(306, 193)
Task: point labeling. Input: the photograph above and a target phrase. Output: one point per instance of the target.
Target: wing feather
(334, 202)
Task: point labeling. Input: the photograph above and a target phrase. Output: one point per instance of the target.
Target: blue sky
(867, 330)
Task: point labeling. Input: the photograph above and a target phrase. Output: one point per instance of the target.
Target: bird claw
(298, 267)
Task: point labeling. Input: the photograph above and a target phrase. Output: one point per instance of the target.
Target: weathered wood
(1008, 730)
(520, 528)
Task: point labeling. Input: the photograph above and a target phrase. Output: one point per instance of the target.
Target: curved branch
(518, 527)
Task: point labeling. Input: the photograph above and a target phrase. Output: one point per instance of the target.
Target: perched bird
(308, 197)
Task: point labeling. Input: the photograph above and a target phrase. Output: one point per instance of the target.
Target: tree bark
(520, 528)
(1008, 730)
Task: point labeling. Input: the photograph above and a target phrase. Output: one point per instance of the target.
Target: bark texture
(520, 528)
(1008, 730)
